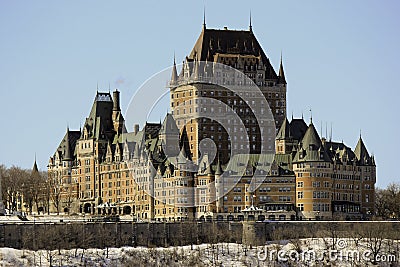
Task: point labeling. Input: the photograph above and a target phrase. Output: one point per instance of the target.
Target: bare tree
(3, 186)
(55, 187)
(39, 190)
(30, 188)
(387, 201)
(13, 184)
(376, 235)
(108, 236)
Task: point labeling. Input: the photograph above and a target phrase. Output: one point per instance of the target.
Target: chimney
(116, 106)
(135, 128)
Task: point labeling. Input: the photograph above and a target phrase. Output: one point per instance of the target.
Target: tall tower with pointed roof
(238, 49)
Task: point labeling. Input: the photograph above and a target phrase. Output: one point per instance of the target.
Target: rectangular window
(300, 207)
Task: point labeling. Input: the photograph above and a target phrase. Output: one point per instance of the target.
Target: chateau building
(212, 157)
(332, 180)
(220, 62)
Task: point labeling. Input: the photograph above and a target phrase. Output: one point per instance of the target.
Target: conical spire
(311, 138)
(174, 76)
(67, 151)
(35, 167)
(361, 152)
(218, 170)
(250, 26)
(281, 77)
(204, 18)
(169, 125)
(284, 131)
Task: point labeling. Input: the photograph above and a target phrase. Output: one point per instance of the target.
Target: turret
(218, 169)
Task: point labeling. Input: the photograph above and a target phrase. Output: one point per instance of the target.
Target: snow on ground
(303, 252)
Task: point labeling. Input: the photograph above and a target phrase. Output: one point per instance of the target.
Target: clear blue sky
(341, 59)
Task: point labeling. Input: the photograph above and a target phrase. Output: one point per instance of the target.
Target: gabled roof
(339, 152)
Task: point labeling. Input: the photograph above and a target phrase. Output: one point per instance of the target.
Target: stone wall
(116, 234)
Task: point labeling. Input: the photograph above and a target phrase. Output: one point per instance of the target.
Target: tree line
(27, 190)
(387, 202)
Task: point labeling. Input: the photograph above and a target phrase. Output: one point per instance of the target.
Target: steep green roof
(311, 148)
(169, 126)
(311, 138)
(361, 153)
(284, 131)
(66, 149)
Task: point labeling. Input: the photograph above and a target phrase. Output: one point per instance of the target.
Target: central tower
(192, 95)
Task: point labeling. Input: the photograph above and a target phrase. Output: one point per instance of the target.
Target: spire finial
(250, 26)
(174, 75)
(204, 17)
(292, 114)
(97, 87)
(310, 116)
(282, 78)
(326, 130)
(360, 133)
(322, 133)
(35, 167)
